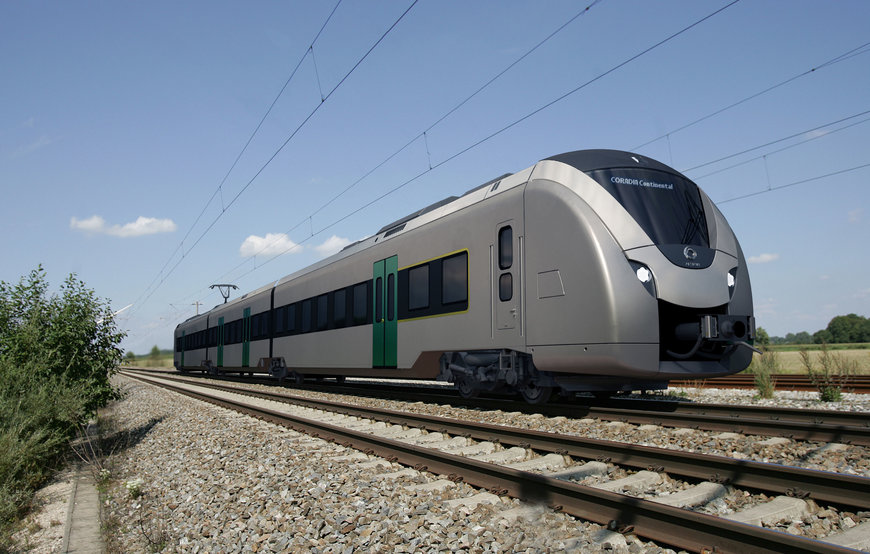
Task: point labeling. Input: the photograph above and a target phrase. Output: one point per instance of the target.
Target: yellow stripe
(433, 316)
(435, 258)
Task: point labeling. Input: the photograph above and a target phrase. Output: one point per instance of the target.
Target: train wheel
(466, 388)
(340, 379)
(534, 394)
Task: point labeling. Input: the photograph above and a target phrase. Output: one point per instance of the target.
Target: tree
(761, 337)
(848, 328)
(155, 354)
(70, 337)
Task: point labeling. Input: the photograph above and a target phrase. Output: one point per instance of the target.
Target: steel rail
(821, 486)
(828, 423)
(859, 384)
(657, 522)
(809, 425)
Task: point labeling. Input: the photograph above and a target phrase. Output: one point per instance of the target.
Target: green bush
(57, 354)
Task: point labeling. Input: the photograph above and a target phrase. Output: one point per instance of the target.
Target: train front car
(660, 286)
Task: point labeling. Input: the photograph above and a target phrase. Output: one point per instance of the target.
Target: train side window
(322, 311)
(360, 304)
(339, 311)
(290, 325)
(281, 319)
(454, 279)
(307, 315)
(505, 247)
(418, 287)
(505, 287)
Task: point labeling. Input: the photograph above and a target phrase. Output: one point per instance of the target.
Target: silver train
(595, 270)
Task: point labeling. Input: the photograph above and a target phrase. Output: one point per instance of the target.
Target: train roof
(590, 160)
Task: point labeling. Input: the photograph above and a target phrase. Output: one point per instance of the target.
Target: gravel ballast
(197, 478)
(215, 481)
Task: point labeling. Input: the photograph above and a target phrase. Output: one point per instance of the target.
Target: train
(597, 271)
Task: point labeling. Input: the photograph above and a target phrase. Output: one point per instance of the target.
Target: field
(790, 360)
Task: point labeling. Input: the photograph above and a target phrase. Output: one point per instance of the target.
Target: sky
(156, 148)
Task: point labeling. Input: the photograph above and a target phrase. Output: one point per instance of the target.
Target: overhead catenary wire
(424, 134)
(280, 148)
(792, 184)
(810, 138)
(219, 189)
(862, 49)
(777, 141)
(494, 134)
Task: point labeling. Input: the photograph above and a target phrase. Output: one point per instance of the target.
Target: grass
(790, 360)
(165, 360)
(816, 347)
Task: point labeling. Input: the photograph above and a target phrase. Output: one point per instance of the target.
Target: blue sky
(119, 123)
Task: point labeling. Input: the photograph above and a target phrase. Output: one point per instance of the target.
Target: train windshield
(668, 207)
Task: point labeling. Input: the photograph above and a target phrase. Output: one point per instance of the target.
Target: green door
(385, 316)
(246, 338)
(220, 360)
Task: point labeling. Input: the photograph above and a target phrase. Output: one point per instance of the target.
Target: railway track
(471, 452)
(859, 384)
(798, 424)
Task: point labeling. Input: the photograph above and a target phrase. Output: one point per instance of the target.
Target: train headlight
(645, 276)
(731, 280)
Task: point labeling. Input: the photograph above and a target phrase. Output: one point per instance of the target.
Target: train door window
(391, 297)
(505, 287)
(418, 287)
(454, 279)
(307, 315)
(339, 311)
(322, 311)
(379, 300)
(505, 247)
(360, 304)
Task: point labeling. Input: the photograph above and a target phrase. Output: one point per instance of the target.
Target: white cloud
(142, 226)
(272, 244)
(32, 147)
(855, 215)
(763, 258)
(332, 245)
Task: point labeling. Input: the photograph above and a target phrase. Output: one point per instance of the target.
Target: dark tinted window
(454, 279)
(379, 300)
(505, 248)
(391, 297)
(340, 309)
(505, 287)
(667, 207)
(291, 318)
(322, 311)
(360, 303)
(307, 315)
(418, 287)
